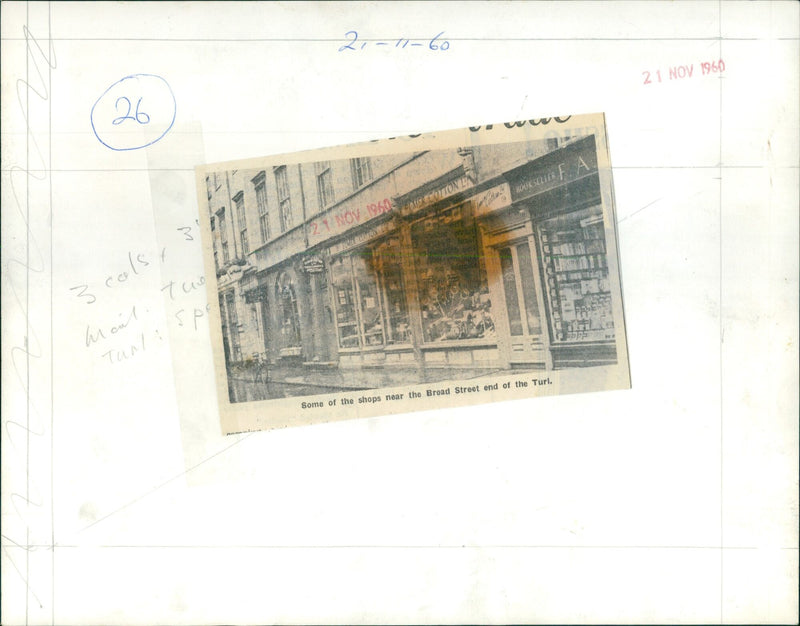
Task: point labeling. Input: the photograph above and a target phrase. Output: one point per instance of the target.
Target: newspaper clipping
(417, 272)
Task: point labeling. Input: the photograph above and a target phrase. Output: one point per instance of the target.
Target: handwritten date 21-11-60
(353, 43)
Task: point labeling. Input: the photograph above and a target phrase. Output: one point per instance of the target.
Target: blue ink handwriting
(128, 116)
(433, 44)
(152, 94)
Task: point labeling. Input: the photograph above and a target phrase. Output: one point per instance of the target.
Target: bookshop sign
(558, 168)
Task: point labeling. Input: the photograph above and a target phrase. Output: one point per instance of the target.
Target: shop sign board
(356, 239)
(493, 199)
(567, 165)
(454, 186)
(313, 265)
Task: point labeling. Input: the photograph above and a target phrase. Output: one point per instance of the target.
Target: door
(524, 329)
(289, 317)
(322, 329)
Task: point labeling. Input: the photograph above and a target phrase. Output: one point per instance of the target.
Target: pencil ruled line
(167, 482)
(326, 40)
(29, 346)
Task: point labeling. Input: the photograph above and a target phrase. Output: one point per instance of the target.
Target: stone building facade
(481, 256)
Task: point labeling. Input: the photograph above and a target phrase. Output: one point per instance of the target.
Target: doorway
(520, 289)
(288, 317)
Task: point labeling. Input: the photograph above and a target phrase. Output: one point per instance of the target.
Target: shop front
(514, 281)
(369, 298)
(560, 194)
(511, 272)
(412, 289)
(456, 319)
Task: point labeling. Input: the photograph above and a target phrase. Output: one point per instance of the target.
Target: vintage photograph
(415, 260)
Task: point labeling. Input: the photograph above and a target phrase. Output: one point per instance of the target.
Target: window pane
(240, 218)
(454, 296)
(325, 188)
(223, 236)
(344, 297)
(395, 299)
(282, 182)
(263, 220)
(577, 288)
(528, 289)
(286, 214)
(324, 183)
(264, 226)
(369, 301)
(361, 170)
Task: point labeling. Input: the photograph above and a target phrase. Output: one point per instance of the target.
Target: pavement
(260, 383)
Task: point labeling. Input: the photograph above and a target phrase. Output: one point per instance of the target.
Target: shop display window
(344, 297)
(359, 314)
(368, 299)
(451, 277)
(390, 275)
(576, 267)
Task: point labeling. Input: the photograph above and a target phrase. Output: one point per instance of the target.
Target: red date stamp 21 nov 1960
(679, 72)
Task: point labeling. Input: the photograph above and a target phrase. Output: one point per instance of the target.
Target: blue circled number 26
(134, 112)
(139, 117)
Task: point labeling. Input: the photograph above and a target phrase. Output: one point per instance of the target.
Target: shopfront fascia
(560, 194)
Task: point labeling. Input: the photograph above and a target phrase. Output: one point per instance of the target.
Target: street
(261, 383)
